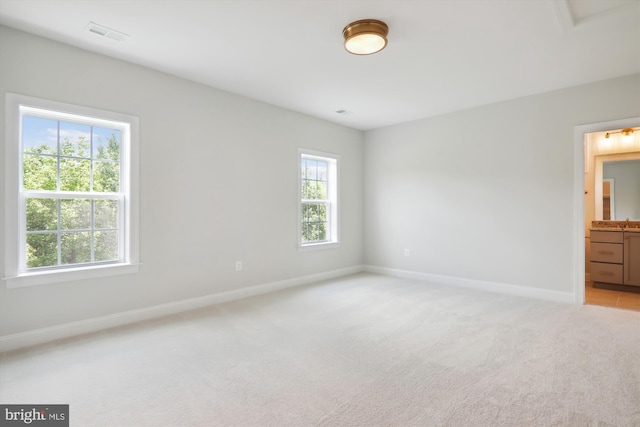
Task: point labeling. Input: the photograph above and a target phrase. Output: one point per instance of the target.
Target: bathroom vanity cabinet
(631, 263)
(615, 257)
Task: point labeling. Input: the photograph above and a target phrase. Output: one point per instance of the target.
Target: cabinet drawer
(606, 236)
(606, 252)
(607, 273)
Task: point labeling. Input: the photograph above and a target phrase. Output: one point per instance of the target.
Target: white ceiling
(443, 55)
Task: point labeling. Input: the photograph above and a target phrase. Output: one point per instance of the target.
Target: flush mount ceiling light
(365, 36)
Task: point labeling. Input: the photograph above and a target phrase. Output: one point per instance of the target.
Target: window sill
(68, 275)
(318, 246)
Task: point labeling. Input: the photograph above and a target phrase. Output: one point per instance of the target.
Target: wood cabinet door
(632, 259)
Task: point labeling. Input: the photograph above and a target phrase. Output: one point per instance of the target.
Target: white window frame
(333, 196)
(16, 275)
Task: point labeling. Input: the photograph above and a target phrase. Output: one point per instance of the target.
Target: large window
(318, 199)
(72, 203)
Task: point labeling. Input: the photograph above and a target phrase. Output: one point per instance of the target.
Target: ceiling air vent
(106, 32)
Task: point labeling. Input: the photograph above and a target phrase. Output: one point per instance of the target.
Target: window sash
(327, 220)
(59, 231)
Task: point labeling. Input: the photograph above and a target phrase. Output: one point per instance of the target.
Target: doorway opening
(603, 163)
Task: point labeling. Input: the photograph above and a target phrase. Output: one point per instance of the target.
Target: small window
(318, 200)
(73, 200)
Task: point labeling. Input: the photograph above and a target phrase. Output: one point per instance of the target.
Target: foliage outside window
(318, 199)
(71, 189)
(71, 210)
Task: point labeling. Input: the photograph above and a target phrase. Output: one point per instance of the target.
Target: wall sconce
(627, 134)
(365, 37)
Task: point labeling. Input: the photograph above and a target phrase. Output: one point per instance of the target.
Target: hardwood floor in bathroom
(612, 297)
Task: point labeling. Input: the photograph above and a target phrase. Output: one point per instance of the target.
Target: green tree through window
(318, 199)
(314, 200)
(71, 186)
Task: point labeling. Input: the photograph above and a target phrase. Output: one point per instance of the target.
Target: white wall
(218, 183)
(487, 193)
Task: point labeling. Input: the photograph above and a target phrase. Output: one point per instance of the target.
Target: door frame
(579, 162)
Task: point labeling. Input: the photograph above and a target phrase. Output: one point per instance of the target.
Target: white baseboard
(481, 285)
(52, 333)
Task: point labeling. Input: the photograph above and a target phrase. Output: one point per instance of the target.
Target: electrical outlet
(238, 265)
(407, 252)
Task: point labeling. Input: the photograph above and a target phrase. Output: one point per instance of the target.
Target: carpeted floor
(365, 350)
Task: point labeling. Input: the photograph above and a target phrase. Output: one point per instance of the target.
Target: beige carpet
(365, 350)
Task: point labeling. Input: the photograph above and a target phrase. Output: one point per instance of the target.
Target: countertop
(632, 230)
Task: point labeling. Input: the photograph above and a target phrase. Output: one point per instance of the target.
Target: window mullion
(59, 232)
(92, 231)
(91, 159)
(22, 233)
(58, 156)
(327, 218)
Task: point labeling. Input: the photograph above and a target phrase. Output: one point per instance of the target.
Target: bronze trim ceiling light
(365, 36)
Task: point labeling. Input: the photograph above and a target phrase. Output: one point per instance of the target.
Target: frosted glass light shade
(365, 37)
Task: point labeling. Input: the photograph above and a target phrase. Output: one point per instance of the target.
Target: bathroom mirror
(621, 174)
